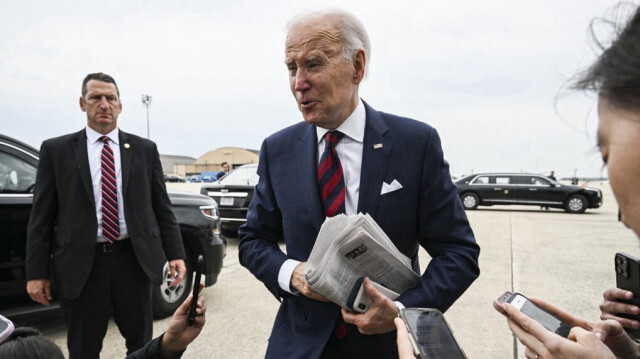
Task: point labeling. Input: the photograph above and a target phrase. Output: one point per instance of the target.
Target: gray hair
(352, 34)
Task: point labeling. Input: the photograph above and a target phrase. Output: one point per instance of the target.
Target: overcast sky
(489, 75)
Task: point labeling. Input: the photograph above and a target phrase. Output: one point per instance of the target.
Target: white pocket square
(394, 186)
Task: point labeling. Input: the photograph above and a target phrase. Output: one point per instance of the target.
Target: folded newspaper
(351, 247)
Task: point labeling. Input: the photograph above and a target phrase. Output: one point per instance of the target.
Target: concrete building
(169, 162)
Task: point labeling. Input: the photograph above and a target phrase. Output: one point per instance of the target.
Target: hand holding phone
(628, 278)
(196, 289)
(360, 302)
(430, 334)
(535, 312)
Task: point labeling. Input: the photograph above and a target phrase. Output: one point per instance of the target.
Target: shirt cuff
(285, 273)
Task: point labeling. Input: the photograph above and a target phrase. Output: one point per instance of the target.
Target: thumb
(370, 289)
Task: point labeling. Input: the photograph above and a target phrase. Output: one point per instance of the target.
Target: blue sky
(489, 75)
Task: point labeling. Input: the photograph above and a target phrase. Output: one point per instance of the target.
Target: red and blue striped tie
(110, 221)
(331, 177)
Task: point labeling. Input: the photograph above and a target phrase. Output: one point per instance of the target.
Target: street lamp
(146, 100)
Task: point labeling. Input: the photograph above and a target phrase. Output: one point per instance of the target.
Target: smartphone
(6, 328)
(430, 334)
(196, 289)
(360, 302)
(543, 317)
(628, 278)
(500, 300)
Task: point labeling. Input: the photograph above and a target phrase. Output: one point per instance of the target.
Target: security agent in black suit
(67, 244)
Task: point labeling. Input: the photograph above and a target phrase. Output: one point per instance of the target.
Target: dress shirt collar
(352, 127)
(93, 136)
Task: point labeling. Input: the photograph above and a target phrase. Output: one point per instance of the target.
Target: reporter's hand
(179, 334)
(380, 315)
(613, 335)
(405, 349)
(178, 269)
(581, 343)
(40, 290)
(299, 283)
(611, 308)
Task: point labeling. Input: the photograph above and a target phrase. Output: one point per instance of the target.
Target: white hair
(352, 34)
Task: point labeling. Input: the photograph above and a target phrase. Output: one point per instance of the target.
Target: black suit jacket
(62, 229)
(425, 212)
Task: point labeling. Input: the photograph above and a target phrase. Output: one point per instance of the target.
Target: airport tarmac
(564, 258)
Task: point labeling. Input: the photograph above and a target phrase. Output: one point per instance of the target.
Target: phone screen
(540, 315)
(196, 290)
(432, 334)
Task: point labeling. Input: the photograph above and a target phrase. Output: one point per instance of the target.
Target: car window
(503, 179)
(481, 180)
(243, 176)
(16, 175)
(538, 181)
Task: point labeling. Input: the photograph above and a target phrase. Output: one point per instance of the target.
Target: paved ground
(566, 259)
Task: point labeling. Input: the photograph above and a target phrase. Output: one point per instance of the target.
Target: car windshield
(244, 176)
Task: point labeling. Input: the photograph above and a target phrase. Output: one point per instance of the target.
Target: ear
(82, 105)
(359, 62)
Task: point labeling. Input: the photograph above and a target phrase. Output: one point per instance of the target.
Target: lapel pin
(126, 145)
(377, 146)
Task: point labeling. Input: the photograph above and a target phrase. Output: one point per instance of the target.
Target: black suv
(197, 216)
(486, 189)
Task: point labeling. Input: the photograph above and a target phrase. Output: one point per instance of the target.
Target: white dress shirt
(350, 154)
(94, 150)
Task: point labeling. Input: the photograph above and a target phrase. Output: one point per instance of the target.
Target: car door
(17, 179)
(541, 190)
(505, 191)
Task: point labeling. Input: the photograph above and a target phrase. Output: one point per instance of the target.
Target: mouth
(307, 104)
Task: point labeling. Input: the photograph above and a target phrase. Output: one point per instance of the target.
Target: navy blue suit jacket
(425, 212)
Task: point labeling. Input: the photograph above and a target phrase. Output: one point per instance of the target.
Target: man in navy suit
(393, 170)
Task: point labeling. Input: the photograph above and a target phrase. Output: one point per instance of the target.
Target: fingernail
(599, 335)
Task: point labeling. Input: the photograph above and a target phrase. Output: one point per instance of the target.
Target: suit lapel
(375, 158)
(307, 160)
(79, 148)
(125, 159)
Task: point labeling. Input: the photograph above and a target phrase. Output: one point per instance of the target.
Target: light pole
(146, 100)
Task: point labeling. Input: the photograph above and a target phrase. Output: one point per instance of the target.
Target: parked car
(233, 192)
(487, 189)
(197, 216)
(194, 178)
(174, 178)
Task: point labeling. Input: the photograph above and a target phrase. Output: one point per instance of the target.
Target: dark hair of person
(616, 73)
(223, 163)
(100, 77)
(27, 343)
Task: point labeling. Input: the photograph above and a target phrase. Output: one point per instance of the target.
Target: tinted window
(481, 180)
(503, 179)
(539, 181)
(16, 175)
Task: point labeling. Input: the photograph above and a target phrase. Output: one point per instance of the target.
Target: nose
(301, 81)
(103, 102)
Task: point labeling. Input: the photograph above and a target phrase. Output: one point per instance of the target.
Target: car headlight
(210, 212)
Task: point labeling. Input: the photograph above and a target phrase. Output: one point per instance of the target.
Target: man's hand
(179, 334)
(405, 349)
(178, 269)
(378, 318)
(40, 290)
(611, 308)
(299, 283)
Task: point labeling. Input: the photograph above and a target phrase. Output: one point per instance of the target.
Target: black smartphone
(196, 289)
(628, 278)
(430, 334)
(543, 317)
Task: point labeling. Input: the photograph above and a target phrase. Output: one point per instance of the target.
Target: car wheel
(165, 298)
(470, 200)
(576, 204)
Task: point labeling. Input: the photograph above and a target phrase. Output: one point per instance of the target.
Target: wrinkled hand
(178, 269)
(179, 334)
(299, 283)
(405, 349)
(581, 342)
(613, 335)
(611, 308)
(380, 315)
(40, 290)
